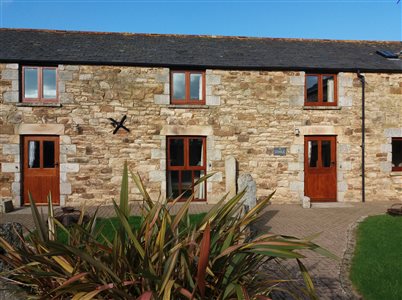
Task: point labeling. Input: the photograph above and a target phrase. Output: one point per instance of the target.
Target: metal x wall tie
(119, 125)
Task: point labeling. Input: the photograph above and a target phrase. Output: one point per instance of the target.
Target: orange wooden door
(320, 168)
(41, 168)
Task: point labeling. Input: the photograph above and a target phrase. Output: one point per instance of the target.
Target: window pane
(49, 83)
(176, 148)
(48, 154)
(173, 190)
(186, 183)
(31, 83)
(312, 88)
(328, 88)
(200, 188)
(397, 153)
(195, 86)
(312, 153)
(179, 86)
(196, 152)
(33, 154)
(326, 153)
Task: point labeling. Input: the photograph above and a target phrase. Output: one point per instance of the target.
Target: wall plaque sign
(280, 151)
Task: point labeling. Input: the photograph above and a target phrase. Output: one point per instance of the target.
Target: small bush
(165, 257)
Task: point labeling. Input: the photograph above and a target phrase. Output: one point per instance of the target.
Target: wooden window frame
(320, 101)
(40, 97)
(186, 165)
(187, 100)
(396, 139)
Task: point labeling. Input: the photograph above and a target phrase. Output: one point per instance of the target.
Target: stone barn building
(316, 118)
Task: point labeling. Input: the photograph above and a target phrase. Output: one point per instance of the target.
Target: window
(321, 90)
(397, 154)
(186, 164)
(187, 87)
(39, 84)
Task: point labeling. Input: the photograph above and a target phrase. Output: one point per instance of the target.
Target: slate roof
(189, 51)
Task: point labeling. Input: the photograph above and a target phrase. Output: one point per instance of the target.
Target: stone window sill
(187, 106)
(38, 104)
(396, 173)
(321, 108)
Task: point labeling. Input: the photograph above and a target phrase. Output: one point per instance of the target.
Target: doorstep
(330, 205)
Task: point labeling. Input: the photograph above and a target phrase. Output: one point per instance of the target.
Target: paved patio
(286, 219)
(333, 223)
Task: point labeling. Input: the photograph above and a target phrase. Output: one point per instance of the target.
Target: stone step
(330, 205)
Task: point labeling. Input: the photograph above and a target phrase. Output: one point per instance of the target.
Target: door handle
(56, 164)
(333, 163)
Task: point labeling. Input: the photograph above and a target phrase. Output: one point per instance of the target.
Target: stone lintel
(186, 130)
(43, 129)
(393, 132)
(319, 130)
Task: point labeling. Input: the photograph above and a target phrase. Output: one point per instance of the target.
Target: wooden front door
(320, 168)
(41, 168)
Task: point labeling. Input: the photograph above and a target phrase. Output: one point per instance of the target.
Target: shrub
(166, 257)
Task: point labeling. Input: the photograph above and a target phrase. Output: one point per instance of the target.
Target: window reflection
(200, 188)
(49, 83)
(186, 183)
(48, 154)
(328, 89)
(31, 83)
(173, 184)
(312, 153)
(196, 86)
(179, 86)
(312, 88)
(33, 154)
(196, 152)
(326, 153)
(176, 148)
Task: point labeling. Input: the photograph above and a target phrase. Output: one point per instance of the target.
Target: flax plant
(167, 257)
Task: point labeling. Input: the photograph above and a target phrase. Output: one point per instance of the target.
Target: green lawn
(110, 225)
(376, 269)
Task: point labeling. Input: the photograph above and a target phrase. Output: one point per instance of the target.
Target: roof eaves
(195, 66)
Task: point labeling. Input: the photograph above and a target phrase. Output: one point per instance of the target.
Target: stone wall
(9, 145)
(247, 114)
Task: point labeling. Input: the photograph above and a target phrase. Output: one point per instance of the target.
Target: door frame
(334, 161)
(186, 166)
(24, 160)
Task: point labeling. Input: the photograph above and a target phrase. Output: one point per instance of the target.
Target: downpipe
(363, 145)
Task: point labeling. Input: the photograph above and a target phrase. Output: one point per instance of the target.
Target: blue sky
(341, 19)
